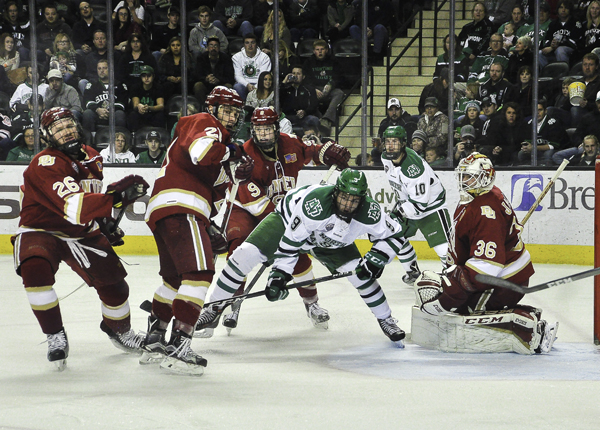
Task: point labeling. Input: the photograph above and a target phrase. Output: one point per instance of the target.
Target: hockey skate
(391, 330)
(208, 321)
(129, 341)
(317, 315)
(181, 358)
(154, 346)
(412, 275)
(548, 332)
(230, 321)
(58, 349)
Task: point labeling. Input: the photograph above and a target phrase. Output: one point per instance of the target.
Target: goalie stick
(146, 305)
(499, 282)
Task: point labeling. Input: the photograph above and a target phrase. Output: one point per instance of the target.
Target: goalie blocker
(519, 330)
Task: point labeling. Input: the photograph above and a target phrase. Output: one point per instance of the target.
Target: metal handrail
(370, 94)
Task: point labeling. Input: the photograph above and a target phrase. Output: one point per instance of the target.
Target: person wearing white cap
(60, 95)
(395, 116)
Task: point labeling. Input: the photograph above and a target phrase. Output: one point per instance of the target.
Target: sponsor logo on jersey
(290, 158)
(524, 190)
(329, 227)
(313, 207)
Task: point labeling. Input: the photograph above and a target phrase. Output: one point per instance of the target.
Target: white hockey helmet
(475, 174)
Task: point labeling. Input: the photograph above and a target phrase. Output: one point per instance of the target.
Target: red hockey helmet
(72, 146)
(221, 95)
(265, 116)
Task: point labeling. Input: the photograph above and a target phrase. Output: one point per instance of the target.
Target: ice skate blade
(179, 367)
(151, 358)
(399, 344)
(135, 351)
(60, 364)
(204, 333)
(321, 325)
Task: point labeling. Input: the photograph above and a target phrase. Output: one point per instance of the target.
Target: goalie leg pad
(512, 330)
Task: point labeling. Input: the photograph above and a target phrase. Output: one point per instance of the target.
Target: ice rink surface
(276, 371)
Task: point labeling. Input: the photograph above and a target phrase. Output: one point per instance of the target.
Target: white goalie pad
(478, 333)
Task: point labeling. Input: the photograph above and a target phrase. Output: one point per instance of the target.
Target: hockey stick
(499, 282)
(328, 174)
(546, 189)
(229, 209)
(226, 302)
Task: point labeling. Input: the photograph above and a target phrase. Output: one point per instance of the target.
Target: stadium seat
(347, 53)
(235, 45)
(576, 70)
(305, 48)
(173, 107)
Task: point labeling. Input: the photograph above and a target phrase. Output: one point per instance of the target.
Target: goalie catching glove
(127, 190)
(428, 288)
(331, 153)
(276, 285)
(113, 233)
(371, 265)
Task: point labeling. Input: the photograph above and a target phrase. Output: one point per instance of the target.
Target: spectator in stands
(19, 29)
(551, 137)
(98, 53)
(299, 102)
(496, 84)
(60, 95)
(248, 64)
(434, 123)
(523, 91)
(591, 29)
(136, 56)
(263, 95)
(562, 36)
(137, 12)
(267, 40)
(470, 118)
(214, 67)
(85, 28)
(163, 34)
(322, 73)
(191, 110)
(304, 19)
(395, 116)
(589, 152)
(22, 119)
(517, 21)
(590, 122)
(122, 152)
(260, 14)
(474, 36)
(155, 154)
(233, 17)
(561, 107)
(521, 56)
(438, 89)
(461, 63)
(579, 9)
(466, 143)
(435, 156)
(10, 58)
(123, 28)
(544, 23)
(48, 29)
(204, 31)
(379, 19)
(499, 11)
(480, 70)
(471, 94)
(287, 59)
(19, 99)
(148, 102)
(490, 110)
(340, 15)
(169, 67)
(419, 142)
(509, 39)
(74, 62)
(25, 150)
(96, 102)
(506, 131)
(591, 79)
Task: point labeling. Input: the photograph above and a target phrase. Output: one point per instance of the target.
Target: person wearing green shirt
(26, 150)
(155, 153)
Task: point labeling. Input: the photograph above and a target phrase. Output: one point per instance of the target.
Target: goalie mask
(395, 140)
(349, 193)
(60, 130)
(226, 105)
(475, 175)
(265, 128)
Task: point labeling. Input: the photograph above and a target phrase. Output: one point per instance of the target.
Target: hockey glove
(276, 283)
(398, 214)
(113, 233)
(331, 153)
(127, 190)
(371, 265)
(218, 240)
(239, 169)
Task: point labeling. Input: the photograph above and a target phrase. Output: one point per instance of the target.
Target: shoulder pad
(369, 212)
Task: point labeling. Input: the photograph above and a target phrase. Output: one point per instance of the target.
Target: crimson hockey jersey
(191, 179)
(272, 178)
(62, 196)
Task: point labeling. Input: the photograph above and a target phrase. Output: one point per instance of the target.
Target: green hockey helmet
(398, 142)
(349, 193)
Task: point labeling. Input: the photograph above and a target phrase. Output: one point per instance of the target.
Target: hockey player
(278, 159)
(457, 313)
(421, 199)
(63, 218)
(188, 188)
(325, 221)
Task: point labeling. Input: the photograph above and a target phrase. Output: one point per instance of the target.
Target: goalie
(456, 313)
